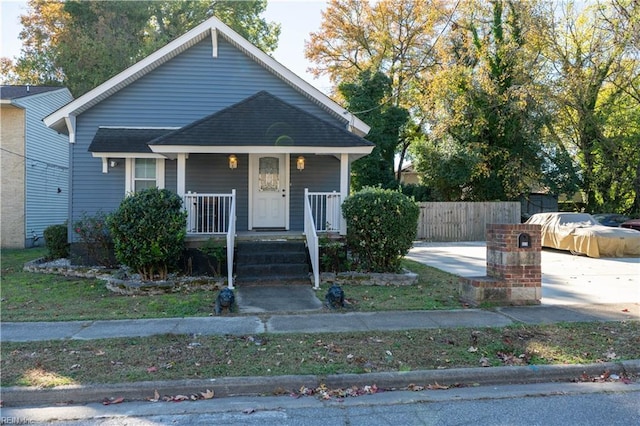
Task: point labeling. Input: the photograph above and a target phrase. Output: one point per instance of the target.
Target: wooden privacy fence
(463, 221)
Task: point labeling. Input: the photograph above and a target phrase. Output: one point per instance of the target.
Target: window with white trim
(143, 173)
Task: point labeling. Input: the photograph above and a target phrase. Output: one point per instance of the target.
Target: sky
(297, 18)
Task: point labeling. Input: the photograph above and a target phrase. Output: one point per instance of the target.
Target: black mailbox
(524, 240)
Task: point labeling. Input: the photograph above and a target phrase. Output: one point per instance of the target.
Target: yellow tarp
(581, 233)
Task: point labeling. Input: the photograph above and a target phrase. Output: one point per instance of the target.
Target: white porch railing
(231, 236)
(213, 214)
(208, 213)
(321, 214)
(325, 210)
(312, 240)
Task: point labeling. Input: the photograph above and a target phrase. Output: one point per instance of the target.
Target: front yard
(28, 296)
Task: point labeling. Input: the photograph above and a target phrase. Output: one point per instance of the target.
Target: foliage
(381, 227)
(368, 99)
(94, 234)
(419, 193)
(216, 250)
(148, 231)
(594, 82)
(80, 44)
(488, 146)
(391, 37)
(56, 241)
(333, 255)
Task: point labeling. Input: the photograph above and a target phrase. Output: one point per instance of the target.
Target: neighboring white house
(34, 164)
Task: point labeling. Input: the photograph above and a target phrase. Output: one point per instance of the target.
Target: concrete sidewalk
(317, 322)
(314, 323)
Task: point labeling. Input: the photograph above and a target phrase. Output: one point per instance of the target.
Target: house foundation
(514, 273)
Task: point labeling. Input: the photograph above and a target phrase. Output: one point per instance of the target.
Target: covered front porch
(214, 216)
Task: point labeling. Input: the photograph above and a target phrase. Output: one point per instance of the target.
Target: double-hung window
(143, 173)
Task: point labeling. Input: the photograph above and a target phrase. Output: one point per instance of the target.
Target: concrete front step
(271, 261)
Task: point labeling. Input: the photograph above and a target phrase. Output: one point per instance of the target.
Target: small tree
(381, 227)
(148, 232)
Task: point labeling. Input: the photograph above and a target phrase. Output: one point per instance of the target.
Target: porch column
(182, 166)
(344, 187)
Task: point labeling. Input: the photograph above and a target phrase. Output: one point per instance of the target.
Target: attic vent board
(214, 43)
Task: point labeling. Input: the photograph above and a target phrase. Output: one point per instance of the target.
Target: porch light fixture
(113, 163)
(300, 163)
(233, 162)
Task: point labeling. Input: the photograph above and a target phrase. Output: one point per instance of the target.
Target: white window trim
(129, 174)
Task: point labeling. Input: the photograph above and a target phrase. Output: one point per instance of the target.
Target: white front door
(269, 189)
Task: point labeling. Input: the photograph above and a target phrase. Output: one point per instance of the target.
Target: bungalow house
(35, 164)
(248, 145)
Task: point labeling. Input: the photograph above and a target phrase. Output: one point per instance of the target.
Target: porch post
(181, 165)
(344, 188)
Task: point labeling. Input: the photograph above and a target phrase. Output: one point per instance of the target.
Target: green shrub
(56, 241)
(333, 255)
(381, 227)
(215, 250)
(148, 232)
(95, 236)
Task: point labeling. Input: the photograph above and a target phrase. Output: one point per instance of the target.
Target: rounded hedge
(148, 232)
(381, 227)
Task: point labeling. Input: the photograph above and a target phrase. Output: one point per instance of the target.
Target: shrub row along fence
(463, 221)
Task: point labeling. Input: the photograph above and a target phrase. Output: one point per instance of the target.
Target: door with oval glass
(270, 195)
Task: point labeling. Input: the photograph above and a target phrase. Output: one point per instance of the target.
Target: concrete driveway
(566, 279)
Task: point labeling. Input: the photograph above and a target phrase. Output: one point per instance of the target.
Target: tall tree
(81, 44)
(394, 37)
(484, 115)
(596, 79)
(367, 98)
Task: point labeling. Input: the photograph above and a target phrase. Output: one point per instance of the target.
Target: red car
(631, 224)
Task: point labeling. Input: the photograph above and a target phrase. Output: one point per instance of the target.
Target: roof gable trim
(214, 28)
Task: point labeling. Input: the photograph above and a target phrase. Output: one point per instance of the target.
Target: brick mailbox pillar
(513, 267)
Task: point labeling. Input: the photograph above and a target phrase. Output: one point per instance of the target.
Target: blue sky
(298, 18)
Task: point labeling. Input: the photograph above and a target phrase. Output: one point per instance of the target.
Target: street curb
(255, 386)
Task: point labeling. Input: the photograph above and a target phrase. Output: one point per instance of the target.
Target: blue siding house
(248, 145)
(34, 163)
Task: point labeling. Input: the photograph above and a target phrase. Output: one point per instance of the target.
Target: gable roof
(15, 92)
(63, 120)
(122, 139)
(260, 120)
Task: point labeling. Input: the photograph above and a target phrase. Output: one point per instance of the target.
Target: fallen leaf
(625, 310)
(152, 369)
(484, 362)
(156, 396)
(207, 395)
(472, 349)
(249, 410)
(437, 386)
(109, 401)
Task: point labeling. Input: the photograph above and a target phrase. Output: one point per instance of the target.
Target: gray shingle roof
(15, 92)
(109, 139)
(262, 120)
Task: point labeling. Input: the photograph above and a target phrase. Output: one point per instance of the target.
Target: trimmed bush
(95, 236)
(381, 227)
(56, 241)
(148, 232)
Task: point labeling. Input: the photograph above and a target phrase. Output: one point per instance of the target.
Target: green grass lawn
(28, 296)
